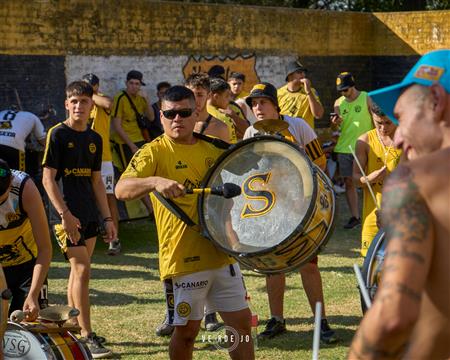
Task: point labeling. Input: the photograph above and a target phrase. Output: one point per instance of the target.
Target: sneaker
(327, 335)
(211, 323)
(164, 329)
(96, 348)
(273, 328)
(114, 248)
(352, 222)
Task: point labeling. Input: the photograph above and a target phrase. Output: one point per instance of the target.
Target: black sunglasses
(183, 113)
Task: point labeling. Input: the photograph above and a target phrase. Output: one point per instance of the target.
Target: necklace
(386, 150)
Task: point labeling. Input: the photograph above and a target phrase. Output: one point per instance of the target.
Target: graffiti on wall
(244, 64)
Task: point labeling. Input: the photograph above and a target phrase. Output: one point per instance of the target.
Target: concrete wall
(47, 43)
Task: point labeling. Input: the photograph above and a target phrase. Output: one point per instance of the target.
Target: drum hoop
(373, 254)
(298, 230)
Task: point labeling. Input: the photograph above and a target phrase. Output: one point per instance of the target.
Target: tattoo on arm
(405, 253)
(389, 287)
(404, 211)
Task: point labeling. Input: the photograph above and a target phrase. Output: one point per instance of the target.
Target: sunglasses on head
(171, 114)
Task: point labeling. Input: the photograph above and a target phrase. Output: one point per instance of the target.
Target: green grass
(127, 298)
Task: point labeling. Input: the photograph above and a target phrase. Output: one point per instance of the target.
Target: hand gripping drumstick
(365, 177)
(227, 190)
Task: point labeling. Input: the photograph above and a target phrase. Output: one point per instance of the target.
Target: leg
(80, 273)
(240, 321)
(182, 341)
(112, 204)
(275, 285)
(146, 201)
(352, 196)
(312, 283)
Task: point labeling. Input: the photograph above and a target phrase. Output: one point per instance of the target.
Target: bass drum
(285, 213)
(38, 341)
(372, 266)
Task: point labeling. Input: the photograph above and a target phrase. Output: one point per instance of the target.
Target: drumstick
(316, 338)
(362, 287)
(227, 190)
(365, 177)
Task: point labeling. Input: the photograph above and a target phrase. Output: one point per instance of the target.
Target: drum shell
(40, 341)
(305, 241)
(372, 265)
(4, 305)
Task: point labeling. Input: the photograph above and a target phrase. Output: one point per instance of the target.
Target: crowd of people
(164, 149)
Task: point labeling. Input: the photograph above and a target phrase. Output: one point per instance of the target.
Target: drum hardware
(316, 338)
(362, 287)
(271, 126)
(227, 190)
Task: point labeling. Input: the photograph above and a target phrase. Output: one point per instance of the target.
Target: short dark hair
(219, 86)
(237, 75)
(178, 93)
(5, 176)
(216, 71)
(162, 85)
(375, 109)
(198, 80)
(91, 79)
(79, 88)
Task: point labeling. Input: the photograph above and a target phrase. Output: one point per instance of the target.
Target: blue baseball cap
(433, 67)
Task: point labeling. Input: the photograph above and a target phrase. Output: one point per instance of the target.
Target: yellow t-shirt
(17, 244)
(214, 111)
(375, 160)
(242, 94)
(122, 109)
(182, 250)
(296, 104)
(101, 123)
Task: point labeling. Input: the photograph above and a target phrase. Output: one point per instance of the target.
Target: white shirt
(299, 128)
(15, 126)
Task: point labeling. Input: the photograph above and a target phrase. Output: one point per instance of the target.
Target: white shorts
(218, 290)
(108, 176)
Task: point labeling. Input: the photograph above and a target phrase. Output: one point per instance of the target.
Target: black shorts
(87, 231)
(18, 279)
(125, 154)
(15, 158)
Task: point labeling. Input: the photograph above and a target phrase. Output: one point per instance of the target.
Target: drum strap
(218, 143)
(174, 209)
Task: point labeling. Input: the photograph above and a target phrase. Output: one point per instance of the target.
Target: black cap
(217, 71)
(294, 66)
(264, 89)
(91, 79)
(137, 75)
(344, 81)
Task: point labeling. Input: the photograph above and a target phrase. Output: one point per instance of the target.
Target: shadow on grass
(103, 298)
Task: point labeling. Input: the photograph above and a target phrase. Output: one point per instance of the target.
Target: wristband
(106, 219)
(308, 93)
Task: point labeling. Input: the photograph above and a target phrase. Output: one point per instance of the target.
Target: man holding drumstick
(201, 273)
(264, 103)
(410, 317)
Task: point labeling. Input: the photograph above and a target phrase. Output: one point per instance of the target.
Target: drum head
(18, 343)
(277, 186)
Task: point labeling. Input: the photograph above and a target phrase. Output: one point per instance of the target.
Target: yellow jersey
(296, 104)
(101, 123)
(122, 109)
(17, 245)
(378, 156)
(214, 111)
(182, 249)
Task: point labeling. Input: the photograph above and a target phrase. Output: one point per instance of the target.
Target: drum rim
(300, 227)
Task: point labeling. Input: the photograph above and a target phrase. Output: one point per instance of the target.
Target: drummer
(264, 103)
(410, 317)
(378, 157)
(25, 247)
(201, 273)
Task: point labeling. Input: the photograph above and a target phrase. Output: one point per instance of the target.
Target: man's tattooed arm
(386, 327)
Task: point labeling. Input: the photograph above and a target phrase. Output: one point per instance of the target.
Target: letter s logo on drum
(253, 189)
